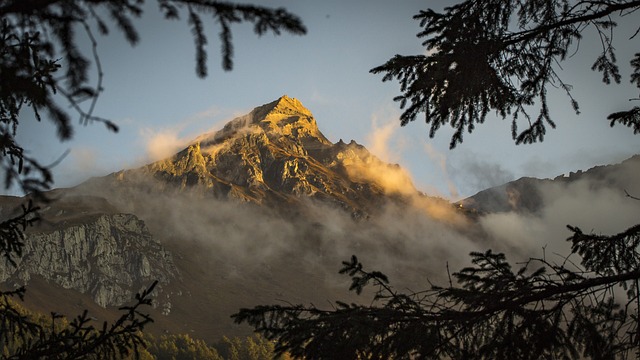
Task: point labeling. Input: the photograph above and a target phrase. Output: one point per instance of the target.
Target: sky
(153, 94)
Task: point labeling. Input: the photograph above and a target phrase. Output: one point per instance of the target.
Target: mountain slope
(83, 243)
(527, 194)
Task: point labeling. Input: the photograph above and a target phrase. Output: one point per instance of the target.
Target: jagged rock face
(275, 154)
(110, 257)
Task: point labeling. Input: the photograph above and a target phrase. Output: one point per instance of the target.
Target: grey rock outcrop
(110, 257)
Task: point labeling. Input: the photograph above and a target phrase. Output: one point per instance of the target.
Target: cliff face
(276, 154)
(110, 257)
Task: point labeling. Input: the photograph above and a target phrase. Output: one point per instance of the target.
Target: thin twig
(631, 196)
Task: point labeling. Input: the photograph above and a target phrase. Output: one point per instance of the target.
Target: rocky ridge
(527, 194)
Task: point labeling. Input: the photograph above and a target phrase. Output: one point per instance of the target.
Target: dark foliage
(541, 311)
(23, 337)
(12, 232)
(502, 56)
(629, 118)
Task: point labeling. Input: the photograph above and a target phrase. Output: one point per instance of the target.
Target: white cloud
(161, 144)
(474, 172)
(593, 206)
(384, 140)
(441, 160)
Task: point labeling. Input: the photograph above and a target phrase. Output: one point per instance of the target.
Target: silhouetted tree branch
(630, 196)
(492, 313)
(501, 56)
(22, 337)
(41, 59)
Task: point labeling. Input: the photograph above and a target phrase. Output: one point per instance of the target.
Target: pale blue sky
(152, 92)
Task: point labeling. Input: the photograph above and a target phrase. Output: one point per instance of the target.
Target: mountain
(86, 245)
(272, 156)
(265, 208)
(262, 211)
(527, 194)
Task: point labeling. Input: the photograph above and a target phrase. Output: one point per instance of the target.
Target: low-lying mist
(592, 206)
(401, 240)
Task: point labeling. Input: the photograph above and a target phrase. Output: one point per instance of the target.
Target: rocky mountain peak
(289, 117)
(276, 155)
(285, 116)
(288, 105)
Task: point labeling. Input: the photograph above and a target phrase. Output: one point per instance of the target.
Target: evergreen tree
(502, 56)
(26, 336)
(543, 310)
(483, 56)
(182, 347)
(251, 348)
(42, 70)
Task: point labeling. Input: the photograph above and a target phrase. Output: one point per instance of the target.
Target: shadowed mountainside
(526, 195)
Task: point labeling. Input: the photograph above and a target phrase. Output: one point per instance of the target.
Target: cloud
(386, 147)
(241, 255)
(84, 158)
(164, 142)
(383, 140)
(386, 141)
(411, 242)
(475, 174)
(598, 206)
(387, 144)
(362, 166)
(215, 118)
(441, 160)
(80, 163)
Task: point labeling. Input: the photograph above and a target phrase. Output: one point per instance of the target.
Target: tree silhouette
(43, 70)
(543, 310)
(494, 55)
(502, 56)
(25, 337)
